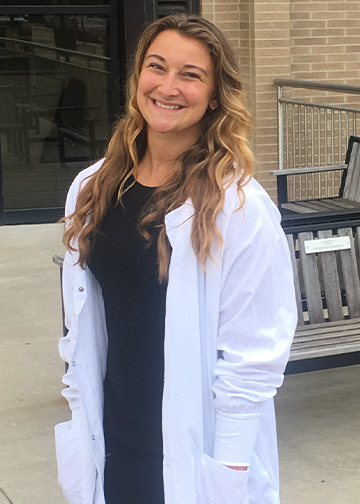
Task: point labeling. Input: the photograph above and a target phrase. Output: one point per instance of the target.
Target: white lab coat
(228, 333)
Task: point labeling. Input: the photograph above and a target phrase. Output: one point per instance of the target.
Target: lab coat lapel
(182, 402)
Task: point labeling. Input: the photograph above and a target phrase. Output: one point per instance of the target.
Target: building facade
(63, 66)
(316, 40)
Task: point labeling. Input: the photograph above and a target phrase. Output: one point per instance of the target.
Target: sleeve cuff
(232, 464)
(235, 436)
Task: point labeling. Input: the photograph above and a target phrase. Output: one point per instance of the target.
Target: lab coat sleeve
(72, 297)
(76, 464)
(257, 320)
(67, 343)
(76, 469)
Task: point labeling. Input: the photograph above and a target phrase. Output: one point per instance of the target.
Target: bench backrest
(9, 114)
(327, 283)
(352, 181)
(46, 91)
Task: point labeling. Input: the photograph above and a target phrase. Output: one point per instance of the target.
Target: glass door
(62, 70)
(57, 98)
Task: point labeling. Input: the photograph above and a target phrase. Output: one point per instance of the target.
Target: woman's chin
(162, 128)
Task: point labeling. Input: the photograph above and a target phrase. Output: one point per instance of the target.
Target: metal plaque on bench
(327, 244)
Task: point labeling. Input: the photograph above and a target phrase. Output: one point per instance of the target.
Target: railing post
(280, 128)
(297, 140)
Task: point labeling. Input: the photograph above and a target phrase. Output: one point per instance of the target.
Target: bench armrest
(58, 259)
(304, 171)
(281, 176)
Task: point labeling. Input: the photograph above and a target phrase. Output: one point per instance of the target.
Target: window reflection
(51, 3)
(54, 73)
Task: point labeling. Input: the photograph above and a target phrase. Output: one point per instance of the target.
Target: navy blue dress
(135, 316)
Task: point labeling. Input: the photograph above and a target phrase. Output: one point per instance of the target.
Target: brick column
(272, 59)
(259, 32)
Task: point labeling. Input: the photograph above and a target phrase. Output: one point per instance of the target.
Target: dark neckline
(142, 185)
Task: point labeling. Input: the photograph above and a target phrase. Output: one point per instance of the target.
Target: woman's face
(176, 84)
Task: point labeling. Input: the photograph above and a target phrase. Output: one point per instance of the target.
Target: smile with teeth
(167, 107)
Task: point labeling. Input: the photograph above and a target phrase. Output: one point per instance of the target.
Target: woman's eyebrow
(155, 56)
(188, 65)
(197, 68)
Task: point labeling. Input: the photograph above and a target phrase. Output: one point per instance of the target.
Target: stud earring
(212, 108)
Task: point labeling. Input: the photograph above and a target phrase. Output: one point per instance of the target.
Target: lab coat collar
(178, 222)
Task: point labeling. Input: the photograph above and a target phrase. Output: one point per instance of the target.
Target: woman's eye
(156, 66)
(192, 75)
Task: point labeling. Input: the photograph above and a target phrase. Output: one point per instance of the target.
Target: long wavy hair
(218, 156)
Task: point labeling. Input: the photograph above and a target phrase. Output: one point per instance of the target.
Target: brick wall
(272, 59)
(234, 18)
(225, 14)
(325, 38)
(300, 39)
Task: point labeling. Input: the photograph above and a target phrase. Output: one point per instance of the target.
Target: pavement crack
(6, 496)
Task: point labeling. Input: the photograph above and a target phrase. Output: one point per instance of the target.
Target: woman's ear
(213, 104)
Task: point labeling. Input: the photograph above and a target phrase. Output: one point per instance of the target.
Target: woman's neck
(160, 158)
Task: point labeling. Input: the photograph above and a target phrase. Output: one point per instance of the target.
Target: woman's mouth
(167, 107)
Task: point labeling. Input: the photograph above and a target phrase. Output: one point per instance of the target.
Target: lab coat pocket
(218, 484)
(76, 466)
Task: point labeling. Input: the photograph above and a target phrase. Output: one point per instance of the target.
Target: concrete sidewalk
(30, 372)
(318, 416)
(318, 413)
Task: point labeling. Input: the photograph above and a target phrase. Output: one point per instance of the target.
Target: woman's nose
(169, 85)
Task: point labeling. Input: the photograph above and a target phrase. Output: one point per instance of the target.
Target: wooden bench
(74, 123)
(344, 207)
(86, 136)
(327, 289)
(13, 124)
(43, 99)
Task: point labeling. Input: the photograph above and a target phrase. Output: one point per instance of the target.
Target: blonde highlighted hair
(221, 153)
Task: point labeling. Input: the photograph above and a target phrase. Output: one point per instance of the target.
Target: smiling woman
(179, 325)
(175, 89)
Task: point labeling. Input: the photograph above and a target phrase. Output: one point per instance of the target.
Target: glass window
(54, 119)
(51, 3)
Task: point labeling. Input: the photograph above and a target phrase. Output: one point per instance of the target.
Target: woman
(178, 292)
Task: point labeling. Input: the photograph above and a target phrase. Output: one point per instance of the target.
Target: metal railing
(312, 133)
(35, 49)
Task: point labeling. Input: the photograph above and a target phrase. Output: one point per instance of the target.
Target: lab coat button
(93, 437)
(81, 289)
(73, 363)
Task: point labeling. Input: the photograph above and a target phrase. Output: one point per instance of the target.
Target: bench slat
(332, 348)
(350, 275)
(314, 206)
(319, 338)
(340, 203)
(352, 181)
(319, 205)
(357, 246)
(345, 203)
(315, 340)
(296, 207)
(331, 282)
(327, 204)
(308, 263)
(312, 353)
(328, 328)
(290, 240)
(356, 192)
